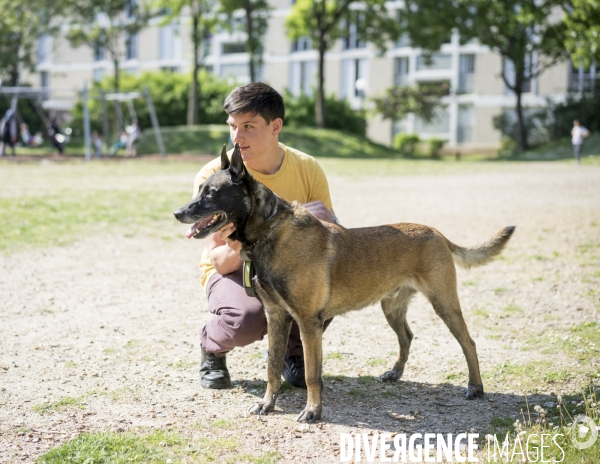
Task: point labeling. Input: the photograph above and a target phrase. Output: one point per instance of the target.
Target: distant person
(119, 144)
(578, 133)
(8, 130)
(134, 133)
(56, 136)
(97, 142)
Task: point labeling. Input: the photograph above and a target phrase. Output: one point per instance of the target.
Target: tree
(203, 22)
(322, 21)
(422, 99)
(523, 32)
(254, 23)
(582, 35)
(21, 25)
(107, 25)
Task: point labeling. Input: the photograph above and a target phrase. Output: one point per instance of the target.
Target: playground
(101, 313)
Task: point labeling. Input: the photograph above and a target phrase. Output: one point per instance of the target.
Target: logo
(580, 431)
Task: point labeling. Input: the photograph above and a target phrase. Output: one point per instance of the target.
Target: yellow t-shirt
(300, 178)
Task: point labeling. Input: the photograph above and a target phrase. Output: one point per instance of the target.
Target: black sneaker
(293, 370)
(213, 371)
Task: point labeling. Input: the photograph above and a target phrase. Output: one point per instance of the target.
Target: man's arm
(223, 253)
(320, 211)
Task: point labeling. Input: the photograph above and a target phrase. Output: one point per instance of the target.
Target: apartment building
(354, 70)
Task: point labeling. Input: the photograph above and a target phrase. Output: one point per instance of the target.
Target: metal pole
(107, 137)
(154, 119)
(86, 124)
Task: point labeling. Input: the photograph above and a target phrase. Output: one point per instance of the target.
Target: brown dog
(311, 271)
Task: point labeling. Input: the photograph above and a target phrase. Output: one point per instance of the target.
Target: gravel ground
(110, 325)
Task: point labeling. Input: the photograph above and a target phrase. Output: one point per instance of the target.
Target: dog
(310, 271)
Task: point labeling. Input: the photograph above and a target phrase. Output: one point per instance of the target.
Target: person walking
(9, 132)
(578, 133)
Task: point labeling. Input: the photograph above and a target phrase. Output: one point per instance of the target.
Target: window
(43, 48)
(302, 76)
(99, 52)
(229, 48)
(352, 40)
(352, 72)
(131, 45)
(169, 42)
(401, 71)
(466, 74)
(44, 79)
(238, 70)
(510, 73)
(436, 62)
(302, 44)
(440, 124)
(98, 74)
(582, 79)
(131, 8)
(465, 124)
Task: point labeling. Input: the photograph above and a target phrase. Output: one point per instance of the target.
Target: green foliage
(423, 99)
(300, 112)
(584, 108)
(582, 22)
(21, 25)
(169, 92)
(407, 144)
(508, 148)
(434, 147)
(536, 122)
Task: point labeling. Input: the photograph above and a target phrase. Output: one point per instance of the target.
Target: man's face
(254, 135)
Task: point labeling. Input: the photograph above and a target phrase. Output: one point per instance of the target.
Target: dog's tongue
(198, 226)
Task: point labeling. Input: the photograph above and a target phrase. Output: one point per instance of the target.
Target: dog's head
(224, 197)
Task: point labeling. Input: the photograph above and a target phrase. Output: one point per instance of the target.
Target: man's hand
(320, 211)
(224, 234)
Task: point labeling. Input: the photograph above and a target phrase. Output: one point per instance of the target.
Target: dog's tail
(483, 253)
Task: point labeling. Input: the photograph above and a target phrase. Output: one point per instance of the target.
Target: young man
(578, 133)
(255, 117)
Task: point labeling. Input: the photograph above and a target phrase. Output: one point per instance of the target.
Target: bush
(169, 92)
(407, 144)
(300, 112)
(434, 147)
(536, 125)
(584, 109)
(507, 149)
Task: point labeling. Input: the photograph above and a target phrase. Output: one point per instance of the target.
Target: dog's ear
(237, 168)
(224, 159)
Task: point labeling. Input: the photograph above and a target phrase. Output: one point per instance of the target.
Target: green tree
(21, 25)
(107, 25)
(422, 99)
(324, 20)
(203, 22)
(254, 23)
(524, 33)
(582, 37)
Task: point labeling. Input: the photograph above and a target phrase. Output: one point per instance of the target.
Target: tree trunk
(521, 129)
(320, 100)
(192, 114)
(116, 74)
(250, 42)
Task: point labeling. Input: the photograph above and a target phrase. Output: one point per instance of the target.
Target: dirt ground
(110, 325)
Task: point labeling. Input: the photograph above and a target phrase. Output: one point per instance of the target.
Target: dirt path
(103, 335)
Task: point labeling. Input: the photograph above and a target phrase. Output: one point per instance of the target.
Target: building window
(352, 40)
(98, 74)
(301, 45)
(229, 48)
(44, 79)
(465, 124)
(43, 49)
(131, 8)
(466, 74)
(99, 52)
(510, 74)
(439, 125)
(131, 47)
(401, 71)
(437, 61)
(169, 44)
(352, 72)
(240, 71)
(582, 79)
(302, 77)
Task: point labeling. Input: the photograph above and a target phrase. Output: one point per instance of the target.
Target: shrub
(507, 149)
(406, 143)
(434, 147)
(300, 112)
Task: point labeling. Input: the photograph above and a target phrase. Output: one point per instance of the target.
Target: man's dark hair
(256, 98)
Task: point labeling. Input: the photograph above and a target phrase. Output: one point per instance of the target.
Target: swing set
(37, 95)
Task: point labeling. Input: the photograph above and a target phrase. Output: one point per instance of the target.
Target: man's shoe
(293, 370)
(213, 371)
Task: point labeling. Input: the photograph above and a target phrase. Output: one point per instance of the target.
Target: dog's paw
(309, 415)
(474, 391)
(260, 409)
(390, 376)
